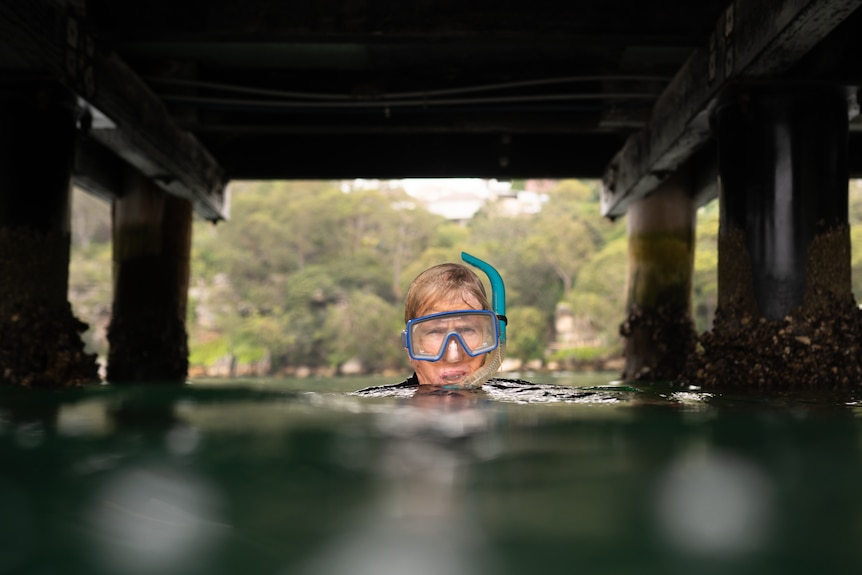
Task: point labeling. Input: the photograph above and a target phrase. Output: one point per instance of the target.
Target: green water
(300, 477)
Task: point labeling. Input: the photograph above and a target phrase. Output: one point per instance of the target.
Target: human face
(426, 337)
(456, 364)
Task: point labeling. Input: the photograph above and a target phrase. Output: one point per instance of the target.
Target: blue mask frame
(407, 341)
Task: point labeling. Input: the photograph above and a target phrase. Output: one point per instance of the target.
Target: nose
(454, 353)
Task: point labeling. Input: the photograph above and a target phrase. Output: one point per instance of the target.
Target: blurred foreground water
(300, 477)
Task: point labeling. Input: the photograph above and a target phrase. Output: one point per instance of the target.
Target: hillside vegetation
(310, 276)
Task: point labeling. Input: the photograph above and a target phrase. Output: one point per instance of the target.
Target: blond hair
(440, 282)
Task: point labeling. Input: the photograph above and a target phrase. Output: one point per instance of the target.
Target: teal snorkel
(498, 304)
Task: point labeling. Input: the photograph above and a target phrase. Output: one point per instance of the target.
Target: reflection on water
(152, 519)
(714, 503)
(419, 521)
(278, 478)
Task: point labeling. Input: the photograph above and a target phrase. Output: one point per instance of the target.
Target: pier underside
(156, 106)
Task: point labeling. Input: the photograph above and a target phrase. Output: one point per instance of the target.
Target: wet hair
(440, 282)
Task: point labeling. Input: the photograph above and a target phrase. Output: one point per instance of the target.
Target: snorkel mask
(477, 331)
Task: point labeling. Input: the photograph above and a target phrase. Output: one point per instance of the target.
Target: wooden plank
(97, 170)
(754, 38)
(422, 155)
(51, 39)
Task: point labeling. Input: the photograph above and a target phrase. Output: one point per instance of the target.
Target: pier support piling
(151, 246)
(783, 192)
(659, 333)
(786, 314)
(40, 339)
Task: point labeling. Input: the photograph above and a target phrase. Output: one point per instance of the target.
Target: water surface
(303, 477)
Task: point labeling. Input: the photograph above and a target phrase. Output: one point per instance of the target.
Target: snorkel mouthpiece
(498, 303)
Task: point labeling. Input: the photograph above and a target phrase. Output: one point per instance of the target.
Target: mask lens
(476, 331)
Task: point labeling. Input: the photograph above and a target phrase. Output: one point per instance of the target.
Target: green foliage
(529, 334)
(314, 274)
(581, 354)
(856, 260)
(367, 328)
(312, 266)
(605, 274)
(206, 353)
(91, 222)
(90, 287)
(855, 204)
(600, 316)
(704, 298)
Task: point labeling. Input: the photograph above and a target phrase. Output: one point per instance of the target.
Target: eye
(434, 332)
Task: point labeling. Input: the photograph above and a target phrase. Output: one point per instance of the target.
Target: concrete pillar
(40, 339)
(659, 332)
(786, 315)
(151, 248)
(783, 192)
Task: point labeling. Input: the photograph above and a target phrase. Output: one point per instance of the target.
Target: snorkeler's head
(445, 282)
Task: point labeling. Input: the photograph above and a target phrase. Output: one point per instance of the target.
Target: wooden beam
(97, 170)
(51, 38)
(423, 155)
(753, 38)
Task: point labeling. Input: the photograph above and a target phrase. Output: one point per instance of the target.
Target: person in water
(455, 338)
(451, 327)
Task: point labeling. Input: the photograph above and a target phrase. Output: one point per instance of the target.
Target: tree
(705, 280)
(528, 337)
(298, 261)
(599, 296)
(365, 327)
